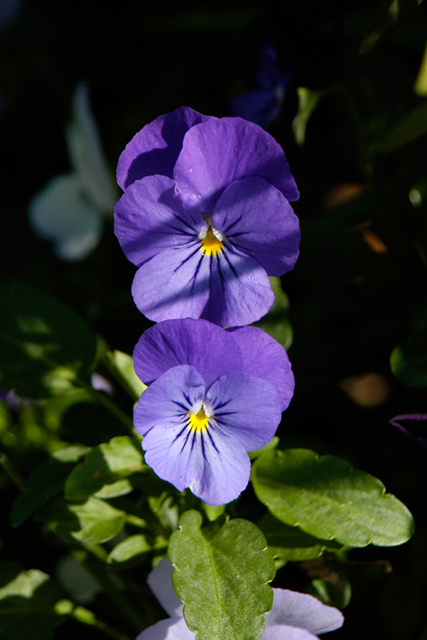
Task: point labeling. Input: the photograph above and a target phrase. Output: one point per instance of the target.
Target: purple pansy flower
(213, 395)
(206, 217)
(294, 616)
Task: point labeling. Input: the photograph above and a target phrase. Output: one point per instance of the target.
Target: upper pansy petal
(302, 610)
(217, 152)
(149, 218)
(258, 220)
(171, 629)
(160, 583)
(264, 357)
(245, 407)
(198, 343)
(155, 148)
(240, 291)
(173, 284)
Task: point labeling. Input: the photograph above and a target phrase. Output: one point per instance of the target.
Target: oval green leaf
(325, 497)
(224, 586)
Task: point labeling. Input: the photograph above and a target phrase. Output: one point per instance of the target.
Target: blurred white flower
(69, 210)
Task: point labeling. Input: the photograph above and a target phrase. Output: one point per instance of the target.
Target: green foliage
(277, 322)
(286, 543)
(107, 464)
(27, 600)
(135, 549)
(328, 499)
(121, 365)
(91, 522)
(46, 481)
(408, 360)
(45, 347)
(223, 585)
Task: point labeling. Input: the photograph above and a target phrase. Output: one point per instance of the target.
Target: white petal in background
(69, 210)
(63, 213)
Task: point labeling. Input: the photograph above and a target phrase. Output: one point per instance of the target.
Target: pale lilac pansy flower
(69, 211)
(294, 616)
(213, 395)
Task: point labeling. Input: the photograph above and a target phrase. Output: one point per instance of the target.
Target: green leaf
(91, 522)
(276, 322)
(45, 348)
(121, 364)
(46, 481)
(389, 15)
(106, 464)
(134, 549)
(27, 601)
(411, 126)
(224, 585)
(328, 499)
(408, 360)
(288, 543)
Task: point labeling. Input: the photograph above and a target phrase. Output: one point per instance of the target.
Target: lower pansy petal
(264, 357)
(198, 343)
(240, 291)
(173, 284)
(170, 629)
(284, 632)
(245, 407)
(303, 610)
(226, 468)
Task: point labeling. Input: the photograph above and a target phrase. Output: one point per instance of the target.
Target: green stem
(113, 408)
(85, 616)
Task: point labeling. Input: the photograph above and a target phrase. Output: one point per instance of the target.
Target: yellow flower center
(211, 242)
(198, 421)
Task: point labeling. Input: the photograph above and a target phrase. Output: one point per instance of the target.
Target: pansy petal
(171, 629)
(260, 107)
(218, 152)
(63, 213)
(149, 218)
(155, 148)
(226, 468)
(201, 344)
(302, 610)
(264, 357)
(246, 408)
(284, 632)
(258, 220)
(167, 401)
(240, 291)
(160, 583)
(173, 284)
(87, 157)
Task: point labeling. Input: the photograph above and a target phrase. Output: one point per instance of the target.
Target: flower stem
(85, 616)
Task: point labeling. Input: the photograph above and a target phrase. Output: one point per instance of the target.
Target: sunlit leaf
(104, 465)
(225, 584)
(134, 549)
(93, 521)
(122, 366)
(328, 499)
(27, 599)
